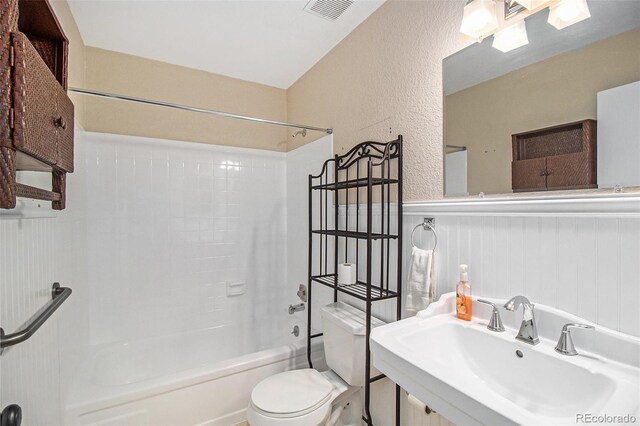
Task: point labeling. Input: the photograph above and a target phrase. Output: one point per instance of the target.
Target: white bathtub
(197, 378)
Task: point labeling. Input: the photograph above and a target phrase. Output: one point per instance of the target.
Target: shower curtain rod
(194, 109)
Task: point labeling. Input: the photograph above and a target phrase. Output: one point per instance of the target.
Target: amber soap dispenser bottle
(463, 295)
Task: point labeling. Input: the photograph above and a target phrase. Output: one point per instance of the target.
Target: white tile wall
(173, 224)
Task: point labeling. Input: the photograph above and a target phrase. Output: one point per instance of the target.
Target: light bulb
(511, 37)
(568, 12)
(479, 18)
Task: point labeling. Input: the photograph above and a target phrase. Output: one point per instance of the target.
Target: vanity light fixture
(568, 12)
(511, 37)
(530, 4)
(479, 18)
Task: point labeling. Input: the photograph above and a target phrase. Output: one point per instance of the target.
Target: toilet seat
(292, 394)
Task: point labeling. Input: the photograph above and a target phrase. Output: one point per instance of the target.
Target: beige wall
(559, 90)
(385, 79)
(135, 76)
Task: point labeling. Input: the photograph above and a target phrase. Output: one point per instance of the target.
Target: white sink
(473, 376)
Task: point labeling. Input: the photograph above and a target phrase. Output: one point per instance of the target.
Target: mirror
(560, 113)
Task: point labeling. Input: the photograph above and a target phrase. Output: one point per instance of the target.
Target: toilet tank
(344, 341)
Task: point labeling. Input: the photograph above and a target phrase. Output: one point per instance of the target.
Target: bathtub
(203, 377)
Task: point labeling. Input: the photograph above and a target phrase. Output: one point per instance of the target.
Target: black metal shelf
(374, 169)
(353, 234)
(357, 290)
(354, 183)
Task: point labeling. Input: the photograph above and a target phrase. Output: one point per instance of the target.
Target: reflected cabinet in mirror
(559, 113)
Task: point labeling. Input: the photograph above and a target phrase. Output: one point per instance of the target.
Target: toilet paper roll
(346, 273)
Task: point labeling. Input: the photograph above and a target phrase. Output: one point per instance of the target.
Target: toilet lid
(291, 392)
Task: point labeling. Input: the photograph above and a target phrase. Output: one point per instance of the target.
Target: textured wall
(384, 79)
(561, 89)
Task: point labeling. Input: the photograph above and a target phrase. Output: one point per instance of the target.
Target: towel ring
(427, 224)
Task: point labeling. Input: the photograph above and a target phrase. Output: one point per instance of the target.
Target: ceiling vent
(328, 9)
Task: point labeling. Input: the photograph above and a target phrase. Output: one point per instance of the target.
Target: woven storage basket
(35, 92)
(8, 24)
(36, 114)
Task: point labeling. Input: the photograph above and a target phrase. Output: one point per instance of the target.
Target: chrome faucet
(565, 343)
(495, 323)
(528, 332)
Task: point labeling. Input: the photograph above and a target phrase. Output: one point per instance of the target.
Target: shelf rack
(367, 177)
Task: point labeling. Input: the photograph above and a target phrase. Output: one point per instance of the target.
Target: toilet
(309, 397)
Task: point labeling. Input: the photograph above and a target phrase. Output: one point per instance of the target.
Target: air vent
(328, 9)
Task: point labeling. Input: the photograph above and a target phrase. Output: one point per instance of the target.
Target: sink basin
(475, 376)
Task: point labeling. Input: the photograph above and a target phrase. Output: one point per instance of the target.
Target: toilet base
(343, 409)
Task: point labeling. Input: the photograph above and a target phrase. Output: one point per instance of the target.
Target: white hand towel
(421, 285)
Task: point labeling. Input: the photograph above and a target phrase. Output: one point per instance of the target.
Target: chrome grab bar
(58, 295)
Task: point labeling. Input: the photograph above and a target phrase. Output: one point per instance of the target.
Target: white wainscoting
(30, 370)
(580, 256)
(39, 246)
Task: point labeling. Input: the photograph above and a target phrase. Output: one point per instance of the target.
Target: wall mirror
(559, 113)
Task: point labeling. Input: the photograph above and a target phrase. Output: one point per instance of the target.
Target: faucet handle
(565, 343)
(495, 323)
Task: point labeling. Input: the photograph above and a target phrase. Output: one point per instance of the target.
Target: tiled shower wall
(175, 229)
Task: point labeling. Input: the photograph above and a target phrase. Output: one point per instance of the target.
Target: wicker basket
(37, 114)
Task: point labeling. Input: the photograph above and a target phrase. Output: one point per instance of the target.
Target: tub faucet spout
(296, 308)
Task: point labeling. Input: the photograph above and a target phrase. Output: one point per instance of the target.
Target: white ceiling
(265, 41)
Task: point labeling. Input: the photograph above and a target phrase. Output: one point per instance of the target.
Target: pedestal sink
(472, 375)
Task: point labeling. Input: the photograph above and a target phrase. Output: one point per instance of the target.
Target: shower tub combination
(181, 333)
(203, 377)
